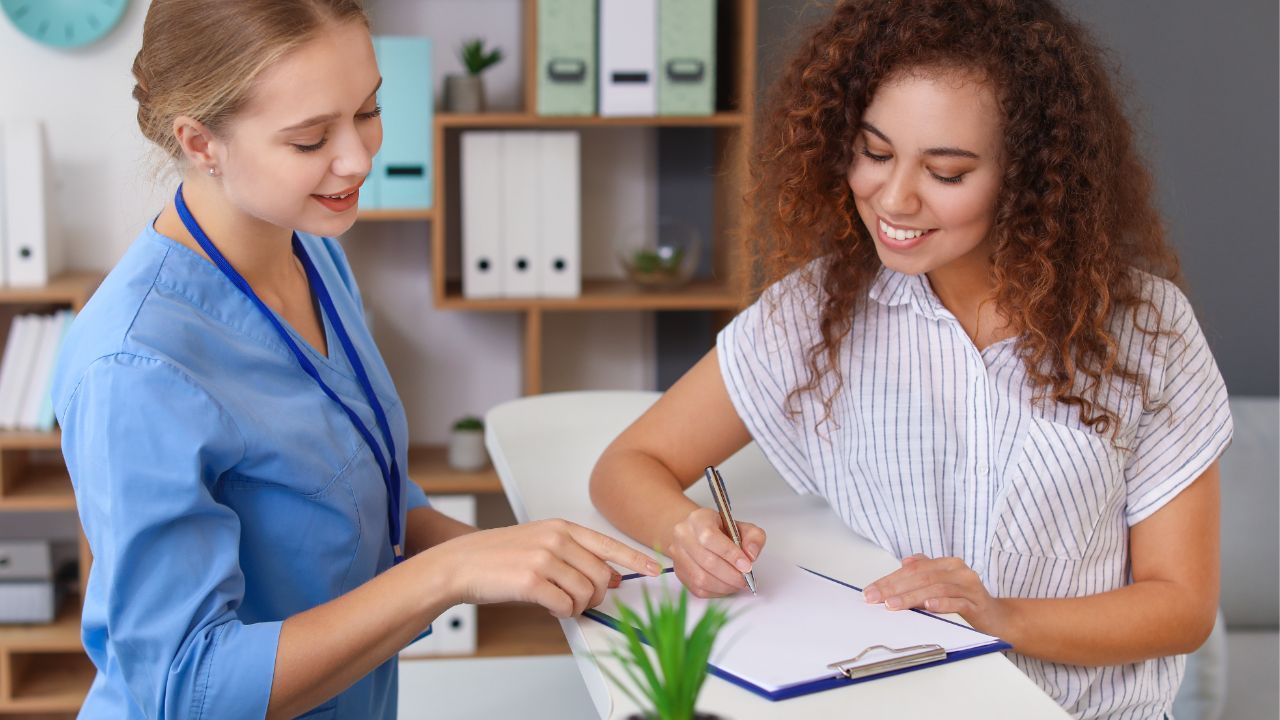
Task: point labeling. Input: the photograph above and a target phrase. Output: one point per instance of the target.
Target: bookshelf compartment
(48, 682)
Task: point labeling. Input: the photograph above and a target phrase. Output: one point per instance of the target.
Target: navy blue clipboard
(835, 681)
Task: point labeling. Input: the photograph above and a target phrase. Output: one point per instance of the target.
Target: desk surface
(544, 448)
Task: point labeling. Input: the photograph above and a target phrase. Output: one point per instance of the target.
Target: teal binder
(566, 57)
(402, 172)
(686, 57)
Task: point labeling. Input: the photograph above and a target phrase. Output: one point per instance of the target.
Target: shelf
(61, 635)
(390, 215)
(23, 440)
(72, 288)
(528, 120)
(606, 295)
(49, 682)
(39, 487)
(430, 470)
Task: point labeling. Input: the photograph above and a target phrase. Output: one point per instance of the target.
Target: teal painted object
(686, 57)
(567, 57)
(64, 23)
(401, 177)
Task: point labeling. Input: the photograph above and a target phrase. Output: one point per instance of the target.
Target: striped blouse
(935, 447)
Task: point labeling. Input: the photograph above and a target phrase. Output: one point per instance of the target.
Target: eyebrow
(320, 119)
(936, 151)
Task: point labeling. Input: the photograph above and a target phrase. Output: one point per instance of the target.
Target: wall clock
(64, 23)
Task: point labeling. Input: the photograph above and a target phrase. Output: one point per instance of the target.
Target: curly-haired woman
(972, 344)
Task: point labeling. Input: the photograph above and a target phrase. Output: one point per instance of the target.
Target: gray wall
(1202, 82)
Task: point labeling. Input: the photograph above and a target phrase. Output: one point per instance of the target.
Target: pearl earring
(212, 172)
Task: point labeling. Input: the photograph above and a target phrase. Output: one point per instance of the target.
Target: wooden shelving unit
(43, 668)
(391, 215)
(731, 127)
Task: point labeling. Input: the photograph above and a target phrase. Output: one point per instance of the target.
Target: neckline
(191, 256)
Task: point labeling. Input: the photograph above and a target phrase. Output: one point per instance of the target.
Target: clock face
(64, 23)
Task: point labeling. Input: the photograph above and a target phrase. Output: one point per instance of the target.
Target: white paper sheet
(798, 624)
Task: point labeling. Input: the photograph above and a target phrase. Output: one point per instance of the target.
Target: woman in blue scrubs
(235, 440)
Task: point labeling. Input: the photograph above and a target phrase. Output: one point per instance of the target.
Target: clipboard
(856, 662)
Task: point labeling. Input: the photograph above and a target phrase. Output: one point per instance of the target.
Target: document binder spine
(915, 655)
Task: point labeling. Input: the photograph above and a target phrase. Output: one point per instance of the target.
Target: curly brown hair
(1074, 216)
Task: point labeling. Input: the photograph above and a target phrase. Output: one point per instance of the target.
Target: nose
(898, 196)
(352, 157)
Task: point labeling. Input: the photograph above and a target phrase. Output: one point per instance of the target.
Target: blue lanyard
(390, 474)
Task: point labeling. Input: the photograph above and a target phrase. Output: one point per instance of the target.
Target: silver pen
(726, 516)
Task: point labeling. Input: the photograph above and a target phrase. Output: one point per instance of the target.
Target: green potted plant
(465, 93)
(466, 444)
(667, 684)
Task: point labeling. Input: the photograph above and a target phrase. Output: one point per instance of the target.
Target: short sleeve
(145, 447)
(761, 355)
(414, 497)
(1189, 425)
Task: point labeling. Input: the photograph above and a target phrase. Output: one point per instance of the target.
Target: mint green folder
(686, 57)
(567, 57)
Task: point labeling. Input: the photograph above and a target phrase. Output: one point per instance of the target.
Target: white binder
(28, 354)
(560, 214)
(628, 57)
(454, 631)
(11, 366)
(519, 208)
(4, 222)
(41, 371)
(32, 258)
(482, 214)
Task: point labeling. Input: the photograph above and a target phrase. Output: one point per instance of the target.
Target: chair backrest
(544, 448)
(1250, 498)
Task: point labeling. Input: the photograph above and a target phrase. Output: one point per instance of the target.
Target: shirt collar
(894, 288)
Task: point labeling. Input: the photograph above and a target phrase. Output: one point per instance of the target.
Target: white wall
(444, 363)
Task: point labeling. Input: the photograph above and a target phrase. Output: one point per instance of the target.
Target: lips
(340, 201)
(898, 238)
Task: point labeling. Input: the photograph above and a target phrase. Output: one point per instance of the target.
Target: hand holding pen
(707, 560)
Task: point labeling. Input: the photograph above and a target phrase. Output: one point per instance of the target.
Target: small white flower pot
(466, 450)
(464, 94)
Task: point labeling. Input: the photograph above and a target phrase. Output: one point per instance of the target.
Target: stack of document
(521, 214)
(26, 370)
(783, 642)
(29, 253)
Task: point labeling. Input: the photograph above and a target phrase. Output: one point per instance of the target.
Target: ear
(198, 143)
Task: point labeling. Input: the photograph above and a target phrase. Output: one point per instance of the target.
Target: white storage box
(26, 582)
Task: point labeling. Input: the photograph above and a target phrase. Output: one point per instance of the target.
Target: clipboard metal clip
(903, 658)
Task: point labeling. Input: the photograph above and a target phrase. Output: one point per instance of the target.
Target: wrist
(439, 587)
(1005, 620)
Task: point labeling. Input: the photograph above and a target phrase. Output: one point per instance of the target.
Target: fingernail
(615, 580)
(872, 595)
(653, 568)
(893, 603)
(743, 565)
(929, 604)
(753, 551)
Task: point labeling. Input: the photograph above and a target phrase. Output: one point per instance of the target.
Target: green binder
(686, 57)
(567, 57)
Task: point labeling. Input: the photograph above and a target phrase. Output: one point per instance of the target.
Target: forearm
(1147, 619)
(640, 496)
(426, 527)
(324, 650)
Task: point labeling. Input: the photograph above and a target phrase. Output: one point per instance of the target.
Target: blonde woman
(235, 441)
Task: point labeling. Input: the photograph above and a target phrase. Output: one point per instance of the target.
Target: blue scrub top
(220, 490)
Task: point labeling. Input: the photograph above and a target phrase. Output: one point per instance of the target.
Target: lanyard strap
(390, 473)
